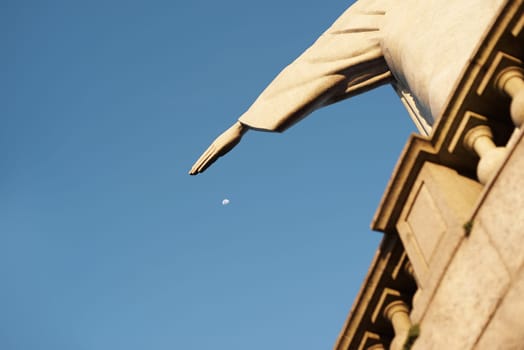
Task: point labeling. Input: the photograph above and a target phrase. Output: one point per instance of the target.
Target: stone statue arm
(344, 61)
(222, 144)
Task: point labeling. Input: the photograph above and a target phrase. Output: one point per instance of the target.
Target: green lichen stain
(468, 226)
(413, 334)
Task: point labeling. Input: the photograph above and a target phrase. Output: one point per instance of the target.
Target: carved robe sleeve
(347, 59)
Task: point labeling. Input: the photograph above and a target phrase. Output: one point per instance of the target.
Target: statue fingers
(205, 160)
(209, 158)
(223, 144)
(198, 163)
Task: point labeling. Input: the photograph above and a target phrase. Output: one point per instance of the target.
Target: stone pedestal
(464, 242)
(453, 218)
(475, 303)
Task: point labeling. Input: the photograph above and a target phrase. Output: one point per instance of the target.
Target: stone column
(376, 347)
(511, 83)
(397, 313)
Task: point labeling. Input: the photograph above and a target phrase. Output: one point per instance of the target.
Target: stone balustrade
(397, 313)
(511, 83)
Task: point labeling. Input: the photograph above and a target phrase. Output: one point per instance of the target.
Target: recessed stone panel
(430, 225)
(425, 219)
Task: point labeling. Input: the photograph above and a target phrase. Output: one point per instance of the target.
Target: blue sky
(107, 243)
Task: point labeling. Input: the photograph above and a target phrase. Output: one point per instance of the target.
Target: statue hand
(222, 144)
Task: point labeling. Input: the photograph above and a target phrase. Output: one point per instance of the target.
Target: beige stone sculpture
(418, 46)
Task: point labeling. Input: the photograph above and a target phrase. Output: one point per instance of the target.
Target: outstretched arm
(345, 60)
(222, 144)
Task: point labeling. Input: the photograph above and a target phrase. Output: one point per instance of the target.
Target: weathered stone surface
(440, 203)
(501, 212)
(506, 329)
(466, 297)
